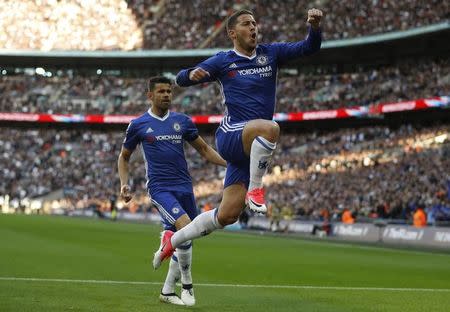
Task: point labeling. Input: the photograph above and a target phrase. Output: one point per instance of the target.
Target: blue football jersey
(161, 141)
(248, 84)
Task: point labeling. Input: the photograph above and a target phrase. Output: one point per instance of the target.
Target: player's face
(245, 32)
(161, 96)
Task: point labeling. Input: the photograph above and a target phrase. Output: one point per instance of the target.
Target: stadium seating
(66, 93)
(175, 24)
(375, 171)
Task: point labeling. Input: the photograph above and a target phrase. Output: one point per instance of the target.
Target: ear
(232, 34)
(150, 95)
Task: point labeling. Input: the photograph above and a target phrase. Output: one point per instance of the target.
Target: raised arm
(314, 18)
(290, 50)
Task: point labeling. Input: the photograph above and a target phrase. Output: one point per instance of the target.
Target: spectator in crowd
(347, 216)
(420, 218)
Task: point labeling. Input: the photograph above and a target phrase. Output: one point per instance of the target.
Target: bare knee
(268, 129)
(182, 221)
(227, 219)
(233, 202)
(273, 132)
(229, 214)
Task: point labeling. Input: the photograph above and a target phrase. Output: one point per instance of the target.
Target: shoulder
(141, 119)
(180, 117)
(138, 121)
(267, 48)
(177, 115)
(223, 54)
(218, 57)
(264, 47)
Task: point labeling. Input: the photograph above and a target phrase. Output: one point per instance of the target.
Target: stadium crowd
(175, 24)
(68, 25)
(285, 20)
(68, 93)
(373, 172)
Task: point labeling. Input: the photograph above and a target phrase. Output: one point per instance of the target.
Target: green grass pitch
(68, 264)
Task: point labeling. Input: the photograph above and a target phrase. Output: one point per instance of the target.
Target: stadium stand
(68, 25)
(284, 20)
(375, 172)
(69, 93)
(174, 24)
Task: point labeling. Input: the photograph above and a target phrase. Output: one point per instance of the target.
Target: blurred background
(365, 123)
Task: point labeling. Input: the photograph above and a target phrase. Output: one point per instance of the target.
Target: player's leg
(184, 251)
(229, 145)
(231, 206)
(233, 202)
(180, 263)
(259, 139)
(202, 225)
(172, 216)
(173, 276)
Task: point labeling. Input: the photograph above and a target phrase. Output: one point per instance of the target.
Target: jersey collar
(243, 55)
(157, 117)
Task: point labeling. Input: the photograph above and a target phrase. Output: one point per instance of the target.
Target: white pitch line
(32, 279)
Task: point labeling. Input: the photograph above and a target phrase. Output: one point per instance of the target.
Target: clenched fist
(198, 74)
(314, 17)
(125, 193)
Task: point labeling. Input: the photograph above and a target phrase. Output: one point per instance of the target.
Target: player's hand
(198, 74)
(125, 193)
(314, 17)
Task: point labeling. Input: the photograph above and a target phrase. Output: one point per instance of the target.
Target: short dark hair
(157, 79)
(232, 19)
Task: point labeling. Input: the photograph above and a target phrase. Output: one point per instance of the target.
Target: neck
(158, 112)
(244, 51)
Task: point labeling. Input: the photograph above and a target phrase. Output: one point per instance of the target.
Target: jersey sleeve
(131, 137)
(289, 50)
(212, 65)
(191, 132)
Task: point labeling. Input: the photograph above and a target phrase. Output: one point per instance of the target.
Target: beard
(247, 44)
